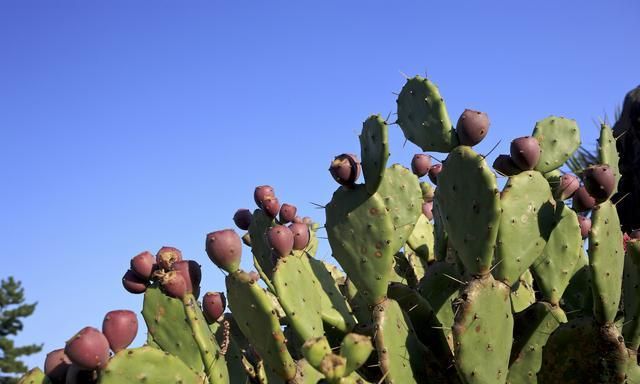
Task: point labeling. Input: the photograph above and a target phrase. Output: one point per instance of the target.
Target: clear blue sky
(129, 125)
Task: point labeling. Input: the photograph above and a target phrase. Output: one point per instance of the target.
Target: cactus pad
(608, 153)
(631, 289)
(374, 150)
(559, 138)
(522, 293)
(421, 239)
(260, 248)
(34, 376)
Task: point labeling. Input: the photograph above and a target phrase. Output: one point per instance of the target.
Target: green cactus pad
(482, 331)
(315, 349)
(554, 269)
(356, 349)
(559, 138)
(297, 291)
(581, 351)
(421, 239)
(606, 258)
(260, 223)
(423, 116)
(418, 265)
(522, 293)
(361, 234)
(469, 201)
(34, 376)
(427, 191)
(525, 225)
(440, 237)
(167, 323)
(631, 292)
(531, 332)
(608, 153)
(228, 335)
(374, 150)
(578, 297)
(147, 365)
(260, 323)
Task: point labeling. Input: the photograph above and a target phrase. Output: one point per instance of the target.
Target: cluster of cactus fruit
(455, 282)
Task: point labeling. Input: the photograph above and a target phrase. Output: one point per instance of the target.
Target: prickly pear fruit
(224, 248)
(89, 349)
(599, 181)
(635, 234)
(143, 264)
(271, 206)
(434, 171)
(504, 165)
(585, 226)
(356, 349)
(287, 213)
(191, 273)
(301, 235)
(582, 200)
(427, 209)
(525, 152)
(345, 169)
(213, 306)
(315, 350)
(174, 285)
(420, 164)
(120, 327)
(280, 239)
(133, 284)
(166, 256)
(472, 127)
(569, 184)
(242, 218)
(261, 193)
(56, 365)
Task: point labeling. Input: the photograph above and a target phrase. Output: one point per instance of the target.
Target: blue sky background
(129, 125)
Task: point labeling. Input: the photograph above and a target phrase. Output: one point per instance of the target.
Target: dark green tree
(12, 310)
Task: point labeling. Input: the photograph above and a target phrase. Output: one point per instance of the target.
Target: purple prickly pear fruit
(271, 206)
(569, 184)
(427, 209)
(120, 327)
(89, 349)
(434, 171)
(635, 234)
(525, 152)
(144, 264)
(582, 200)
(133, 284)
(420, 164)
(301, 235)
(345, 169)
(213, 306)
(174, 285)
(505, 166)
(287, 213)
(599, 181)
(242, 218)
(585, 226)
(472, 127)
(280, 239)
(191, 273)
(255, 276)
(166, 256)
(261, 193)
(224, 248)
(56, 365)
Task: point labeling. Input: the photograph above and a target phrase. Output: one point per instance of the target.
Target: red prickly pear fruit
(427, 209)
(599, 181)
(280, 239)
(89, 349)
(166, 256)
(568, 185)
(174, 285)
(191, 272)
(144, 264)
(255, 276)
(505, 166)
(585, 226)
(345, 169)
(582, 200)
(420, 164)
(525, 152)
(434, 171)
(271, 206)
(472, 127)
(213, 306)
(261, 193)
(133, 284)
(242, 218)
(224, 248)
(120, 327)
(301, 235)
(287, 213)
(56, 365)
